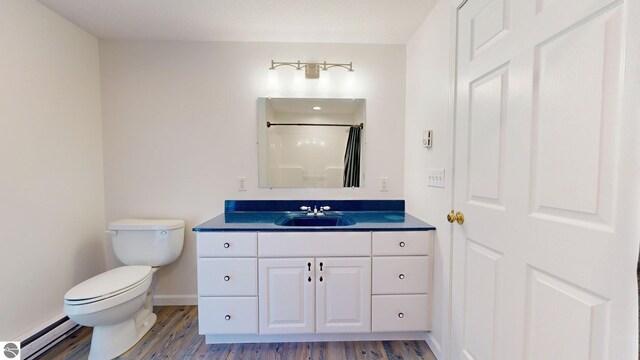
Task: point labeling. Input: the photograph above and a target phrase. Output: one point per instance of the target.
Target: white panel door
(286, 293)
(546, 174)
(343, 295)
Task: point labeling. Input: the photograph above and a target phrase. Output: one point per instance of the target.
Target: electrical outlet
(384, 184)
(435, 178)
(242, 184)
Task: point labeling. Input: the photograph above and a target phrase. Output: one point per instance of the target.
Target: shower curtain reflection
(352, 158)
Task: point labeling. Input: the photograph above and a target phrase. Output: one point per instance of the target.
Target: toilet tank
(152, 242)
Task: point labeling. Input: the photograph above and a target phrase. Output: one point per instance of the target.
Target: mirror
(310, 143)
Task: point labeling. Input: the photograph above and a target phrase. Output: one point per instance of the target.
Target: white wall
(428, 90)
(180, 126)
(51, 182)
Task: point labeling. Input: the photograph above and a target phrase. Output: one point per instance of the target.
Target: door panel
(544, 264)
(343, 287)
(481, 303)
(489, 24)
(487, 122)
(286, 296)
(559, 311)
(577, 79)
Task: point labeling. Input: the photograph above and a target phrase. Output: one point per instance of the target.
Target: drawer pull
(321, 266)
(227, 317)
(226, 245)
(400, 315)
(402, 244)
(401, 276)
(227, 278)
(309, 266)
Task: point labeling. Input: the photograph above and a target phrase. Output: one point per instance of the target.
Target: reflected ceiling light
(311, 70)
(317, 108)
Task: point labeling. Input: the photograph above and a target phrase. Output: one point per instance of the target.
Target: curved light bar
(311, 70)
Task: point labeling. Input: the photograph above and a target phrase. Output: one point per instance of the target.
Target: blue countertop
(260, 215)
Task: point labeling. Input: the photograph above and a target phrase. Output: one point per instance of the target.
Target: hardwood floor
(175, 336)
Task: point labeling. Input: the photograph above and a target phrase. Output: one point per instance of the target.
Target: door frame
(454, 8)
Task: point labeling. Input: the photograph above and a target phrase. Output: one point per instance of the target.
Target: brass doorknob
(455, 217)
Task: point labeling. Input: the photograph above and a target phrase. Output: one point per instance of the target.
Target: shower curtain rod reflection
(270, 124)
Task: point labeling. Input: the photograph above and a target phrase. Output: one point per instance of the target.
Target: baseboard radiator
(44, 339)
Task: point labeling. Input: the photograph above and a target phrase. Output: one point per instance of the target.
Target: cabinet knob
(402, 244)
(401, 276)
(400, 315)
(227, 317)
(226, 245)
(227, 278)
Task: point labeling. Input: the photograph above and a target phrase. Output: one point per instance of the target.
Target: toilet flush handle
(111, 232)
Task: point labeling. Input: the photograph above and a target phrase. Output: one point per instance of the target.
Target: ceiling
(337, 21)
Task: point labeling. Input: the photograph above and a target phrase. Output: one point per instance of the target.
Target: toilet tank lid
(146, 224)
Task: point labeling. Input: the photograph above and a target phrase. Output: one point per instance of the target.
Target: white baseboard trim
(255, 338)
(164, 300)
(434, 345)
(45, 336)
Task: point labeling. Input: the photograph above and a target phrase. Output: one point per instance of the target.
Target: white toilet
(117, 303)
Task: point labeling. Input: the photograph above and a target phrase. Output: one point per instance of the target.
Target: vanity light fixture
(311, 70)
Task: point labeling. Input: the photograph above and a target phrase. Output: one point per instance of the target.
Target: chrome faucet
(315, 211)
(323, 209)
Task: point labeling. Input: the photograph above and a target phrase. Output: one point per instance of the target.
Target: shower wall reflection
(302, 142)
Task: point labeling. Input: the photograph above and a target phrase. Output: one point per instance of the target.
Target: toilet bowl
(118, 302)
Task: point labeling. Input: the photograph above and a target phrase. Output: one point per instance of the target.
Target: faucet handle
(305, 208)
(325, 208)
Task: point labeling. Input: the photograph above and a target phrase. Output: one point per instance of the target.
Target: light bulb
(350, 83)
(272, 79)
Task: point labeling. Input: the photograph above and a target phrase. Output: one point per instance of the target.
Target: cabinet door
(286, 295)
(343, 301)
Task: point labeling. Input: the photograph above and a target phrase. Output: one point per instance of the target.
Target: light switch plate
(427, 138)
(435, 178)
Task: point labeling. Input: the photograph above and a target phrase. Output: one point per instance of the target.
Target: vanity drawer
(287, 244)
(228, 315)
(401, 242)
(399, 313)
(227, 277)
(224, 244)
(401, 275)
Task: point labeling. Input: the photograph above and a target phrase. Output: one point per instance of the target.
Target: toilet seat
(108, 289)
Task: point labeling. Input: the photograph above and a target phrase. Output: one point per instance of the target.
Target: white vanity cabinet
(314, 294)
(314, 286)
(227, 283)
(401, 281)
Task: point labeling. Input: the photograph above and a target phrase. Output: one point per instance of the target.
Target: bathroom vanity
(269, 272)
